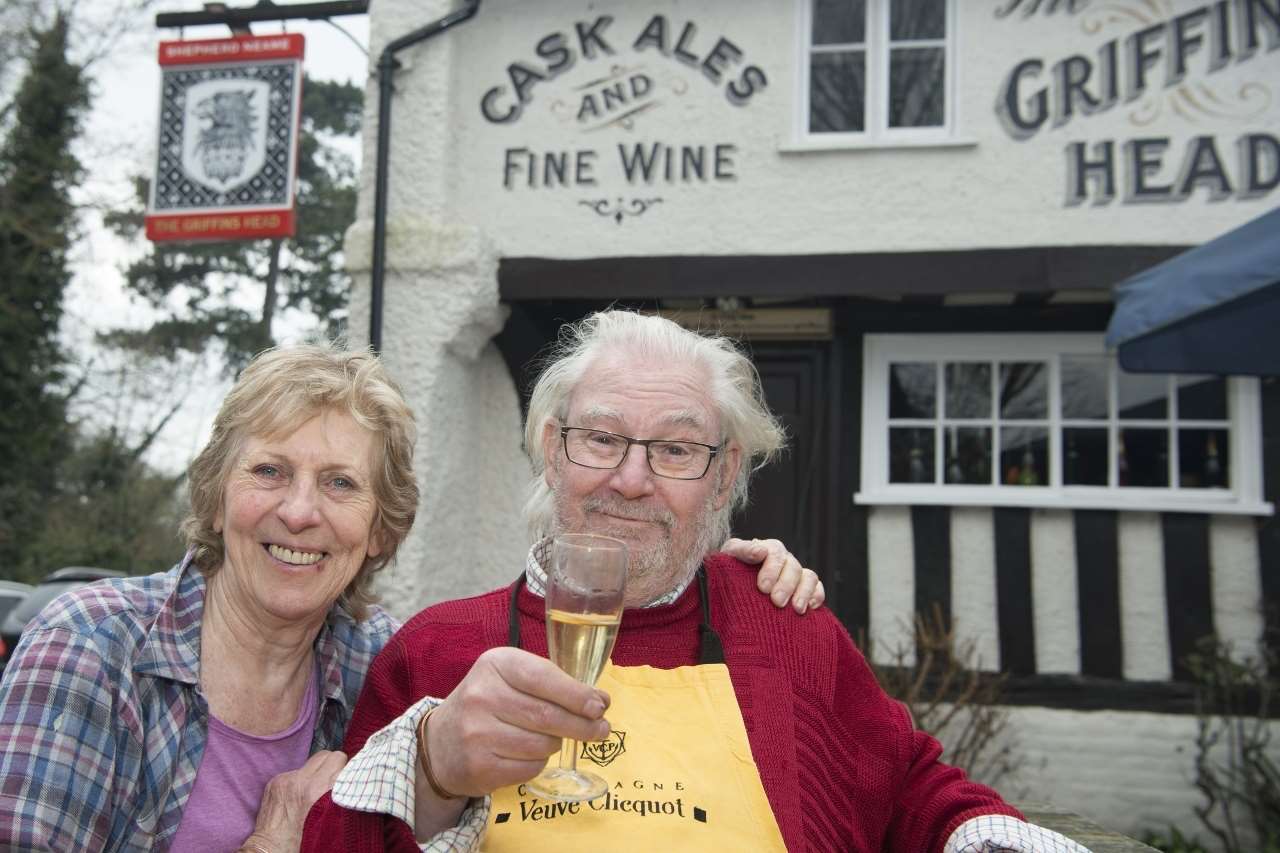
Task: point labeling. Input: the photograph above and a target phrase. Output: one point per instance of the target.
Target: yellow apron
(678, 764)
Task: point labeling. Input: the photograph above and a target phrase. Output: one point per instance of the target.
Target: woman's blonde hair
(280, 390)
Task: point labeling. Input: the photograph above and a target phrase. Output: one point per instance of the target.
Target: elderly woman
(176, 711)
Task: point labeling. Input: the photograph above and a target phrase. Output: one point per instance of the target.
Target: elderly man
(732, 726)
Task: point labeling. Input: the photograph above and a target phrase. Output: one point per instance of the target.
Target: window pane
(837, 92)
(913, 389)
(1024, 390)
(1084, 387)
(1085, 457)
(969, 455)
(1144, 458)
(1024, 456)
(1202, 398)
(917, 19)
(917, 79)
(839, 21)
(968, 390)
(911, 455)
(1202, 459)
(1143, 395)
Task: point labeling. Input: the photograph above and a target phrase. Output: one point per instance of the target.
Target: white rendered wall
(973, 585)
(891, 585)
(1237, 585)
(1144, 624)
(1054, 592)
(994, 191)
(440, 314)
(1128, 771)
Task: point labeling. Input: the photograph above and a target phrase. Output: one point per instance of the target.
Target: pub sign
(226, 159)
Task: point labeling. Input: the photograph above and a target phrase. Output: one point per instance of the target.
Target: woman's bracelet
(425, 762)
(252, 847)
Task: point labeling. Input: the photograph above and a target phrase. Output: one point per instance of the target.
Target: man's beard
(664, 564)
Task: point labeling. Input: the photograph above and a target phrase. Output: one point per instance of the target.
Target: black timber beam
(1024, 270)
(264, 10)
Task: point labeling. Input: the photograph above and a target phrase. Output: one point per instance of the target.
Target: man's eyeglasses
(677, 460)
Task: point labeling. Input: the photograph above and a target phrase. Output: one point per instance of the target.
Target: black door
(789, 497)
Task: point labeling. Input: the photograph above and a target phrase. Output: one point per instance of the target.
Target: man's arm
(927, 799)
(997, 832)
(496, 728)
(389, 692)
(937, 807)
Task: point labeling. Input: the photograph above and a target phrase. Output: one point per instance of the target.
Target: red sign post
(226, 162)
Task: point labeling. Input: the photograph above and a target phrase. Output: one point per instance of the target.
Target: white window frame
(1244, 413)
(877, 133)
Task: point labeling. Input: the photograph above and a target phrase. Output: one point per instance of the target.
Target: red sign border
(218, 225)
(243, 223)
(228, 50)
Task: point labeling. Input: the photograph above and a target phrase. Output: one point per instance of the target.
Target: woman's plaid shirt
(102, 724)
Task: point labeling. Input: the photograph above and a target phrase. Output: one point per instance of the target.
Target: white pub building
(913, 213)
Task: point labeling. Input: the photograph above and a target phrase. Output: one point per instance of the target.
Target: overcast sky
(119, 141)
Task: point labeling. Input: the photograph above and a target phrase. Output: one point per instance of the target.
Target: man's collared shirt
(535, 575)
(104, 725)
(380, 778)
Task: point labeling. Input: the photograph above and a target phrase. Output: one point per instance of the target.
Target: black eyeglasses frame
(643, 442)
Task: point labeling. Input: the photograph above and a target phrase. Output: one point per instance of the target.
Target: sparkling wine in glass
(585, 585)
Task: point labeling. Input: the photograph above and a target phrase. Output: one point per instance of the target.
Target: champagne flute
(584, 608)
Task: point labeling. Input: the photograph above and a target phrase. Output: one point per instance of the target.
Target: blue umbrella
(1212, 309)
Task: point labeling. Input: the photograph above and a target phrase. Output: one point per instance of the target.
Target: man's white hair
(734, 389)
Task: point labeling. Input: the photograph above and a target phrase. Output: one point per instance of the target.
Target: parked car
(53, 585)
(11, 594)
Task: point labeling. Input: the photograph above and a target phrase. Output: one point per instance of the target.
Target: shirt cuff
(1004, 834)
(380, 778)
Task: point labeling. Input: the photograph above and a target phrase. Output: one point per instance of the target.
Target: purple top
(233, 773)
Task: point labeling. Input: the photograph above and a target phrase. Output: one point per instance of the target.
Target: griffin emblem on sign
(227, 126)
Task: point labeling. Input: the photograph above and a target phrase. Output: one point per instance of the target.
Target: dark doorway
(789, 498)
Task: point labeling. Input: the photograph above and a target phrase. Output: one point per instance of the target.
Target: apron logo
(603, 752)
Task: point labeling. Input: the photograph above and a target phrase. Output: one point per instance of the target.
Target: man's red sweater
(839, 760)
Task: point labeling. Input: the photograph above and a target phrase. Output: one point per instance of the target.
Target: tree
(111, 510)
(200, 288)
(37, 223)
(108, 507)
(93, 31)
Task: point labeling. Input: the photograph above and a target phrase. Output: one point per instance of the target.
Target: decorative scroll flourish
(1125, 14)
(1203, 101)
(675, 83)
(1147, 110)
(1031, 7)
(1199, 103)
(561, 110)
(616, 74)
(620, 208)
(627, 120)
